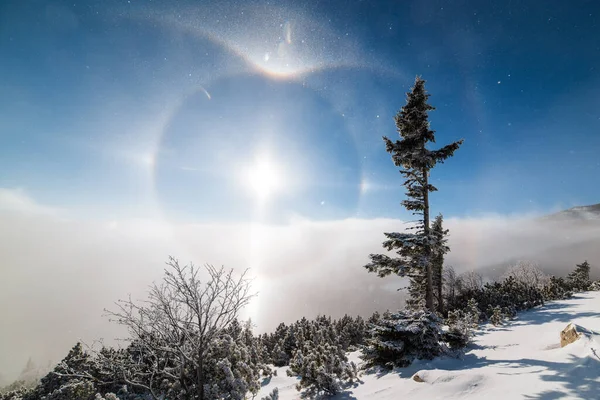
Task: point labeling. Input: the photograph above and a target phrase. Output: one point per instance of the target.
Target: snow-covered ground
(519, 360)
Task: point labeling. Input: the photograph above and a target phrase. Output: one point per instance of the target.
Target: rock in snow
(569, 335)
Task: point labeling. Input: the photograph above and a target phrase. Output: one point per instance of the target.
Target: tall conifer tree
(415, 160)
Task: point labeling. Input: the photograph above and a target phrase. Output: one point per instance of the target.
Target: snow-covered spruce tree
(415, 161)
(580, 278)
(401, 337)
(438, 251)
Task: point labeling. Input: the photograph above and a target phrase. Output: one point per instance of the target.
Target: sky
(249, 134)
(146, 107)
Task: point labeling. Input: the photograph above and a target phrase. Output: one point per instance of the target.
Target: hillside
(555, 242)
(520, 360)
(580, 212)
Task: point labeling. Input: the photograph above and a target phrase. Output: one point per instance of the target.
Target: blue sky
(116, 108)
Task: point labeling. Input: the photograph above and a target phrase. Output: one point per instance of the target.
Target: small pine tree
(496, 315)
(323, 368)
(229, 369)
(279, 356)
(415, 161)
(460, 329)
(473, 312)
(374, 318)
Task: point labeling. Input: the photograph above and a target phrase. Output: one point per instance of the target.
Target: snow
(520, 360)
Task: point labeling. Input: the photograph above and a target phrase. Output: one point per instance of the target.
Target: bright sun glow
(264, 178)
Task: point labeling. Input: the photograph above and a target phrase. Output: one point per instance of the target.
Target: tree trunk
(439, 290)
(427, 249)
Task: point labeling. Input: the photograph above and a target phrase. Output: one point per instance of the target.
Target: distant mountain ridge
(559, 259)
(579, 212)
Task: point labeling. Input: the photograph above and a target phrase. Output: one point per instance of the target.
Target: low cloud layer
(58, 274)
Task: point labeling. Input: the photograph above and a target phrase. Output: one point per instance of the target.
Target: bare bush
(527, 273)
(470, 281)
(451, 283)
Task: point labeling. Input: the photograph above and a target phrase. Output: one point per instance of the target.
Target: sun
(263, 178)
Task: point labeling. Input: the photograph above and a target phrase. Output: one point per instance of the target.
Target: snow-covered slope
(591, 212)
(520, 360)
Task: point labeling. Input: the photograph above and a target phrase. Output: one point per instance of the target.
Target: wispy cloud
(18, 201)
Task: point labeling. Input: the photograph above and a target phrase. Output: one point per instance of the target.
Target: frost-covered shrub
(556, 289)
(79, 376)
(595, 286)
(323, 368)
(399, 338)
(510, 295)
(280, 346)
(74, 390)
(67, 381)
(523, 287)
